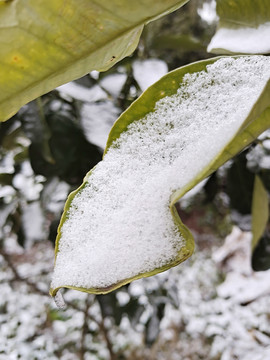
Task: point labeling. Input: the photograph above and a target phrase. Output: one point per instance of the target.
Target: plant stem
(88, 303)
(84, 328)
(107, 339)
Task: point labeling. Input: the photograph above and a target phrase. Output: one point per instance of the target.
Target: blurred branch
(107, 339)
(32, 285)
(105, 333)
(88, 303)
(84, 328)
(18, 277)
(125, 99)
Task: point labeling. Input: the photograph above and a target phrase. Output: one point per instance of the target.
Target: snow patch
(147, 72)
(208, 12)
(114, 83)
(81, 93)
(97, 121)
(245, 40)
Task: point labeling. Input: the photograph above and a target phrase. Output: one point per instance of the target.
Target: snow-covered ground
(221, 310)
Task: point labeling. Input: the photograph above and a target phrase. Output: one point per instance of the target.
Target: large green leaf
(121, 224)
(244, 27)
(44, 44)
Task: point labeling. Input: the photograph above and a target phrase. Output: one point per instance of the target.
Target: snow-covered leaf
(44, 44)
(121, 224)
(114, 83)
(147, 72)
(244, 27)
(81, 93)
(207, 12)
(97, 121)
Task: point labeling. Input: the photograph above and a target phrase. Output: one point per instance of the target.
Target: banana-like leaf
(244, 27)
(121, 224)
(260, 211)
(44, 44)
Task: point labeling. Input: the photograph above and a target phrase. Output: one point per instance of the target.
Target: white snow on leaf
(7, 191)
(81, 93)
(242, 284)
(54, 195)
(113, 83)
(266, 144)
(147, 72)
(34, 230)
(26, 183)
(7, 163)
(119, 225)
(243, 289)
(265, 135)
(208, 12)
(236, 251)
(257, 157)
(245, 40)
(97, 120)
(265, 162)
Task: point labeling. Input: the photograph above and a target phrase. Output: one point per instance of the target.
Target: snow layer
(120, 224)
(97, 120)
(147, 72)
(245, 40)
(208, 12)
(81, 93)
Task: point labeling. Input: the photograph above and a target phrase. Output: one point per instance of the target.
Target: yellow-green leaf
(244, 27)
(44, 44)
(122, 224)
(260, 211)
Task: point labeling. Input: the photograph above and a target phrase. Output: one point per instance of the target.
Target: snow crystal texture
(120, 224)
